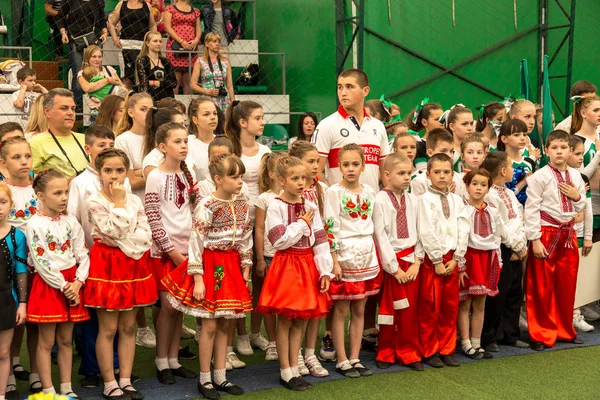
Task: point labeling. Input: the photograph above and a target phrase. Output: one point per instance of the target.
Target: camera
(222, 90)
(159, 75)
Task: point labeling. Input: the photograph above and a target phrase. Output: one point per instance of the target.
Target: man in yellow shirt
(59, 147)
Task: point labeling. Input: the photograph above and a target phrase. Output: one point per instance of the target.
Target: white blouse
(437, 233)
(220, 225)
(511, 214)
(253, 164)
(57, 244)
(127, 226)
(285, 229)
(389, 235)
(263, 202)
(167, 205)
(311, 194)
(133, 145)
(80, 190)
(349, 222)
(156, 157)
(207, 187)
(485, 227)
(25, 205)
(198, 156)
(543, 195)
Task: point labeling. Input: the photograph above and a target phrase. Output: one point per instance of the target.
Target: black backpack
(248, 76)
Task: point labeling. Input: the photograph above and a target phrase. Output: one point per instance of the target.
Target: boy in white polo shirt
(351, 124)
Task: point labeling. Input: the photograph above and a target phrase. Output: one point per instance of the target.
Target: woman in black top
(154, 73)
(81, 23)
(136, 20)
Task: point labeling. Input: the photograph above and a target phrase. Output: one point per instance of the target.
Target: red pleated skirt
(117, 282)
(291, 288)
(342, 290)
(160, 269)
(50, 306)
(483, 270)
(227, 294)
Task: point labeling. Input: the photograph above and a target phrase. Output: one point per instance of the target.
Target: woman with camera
(154, 73)
(212, 74)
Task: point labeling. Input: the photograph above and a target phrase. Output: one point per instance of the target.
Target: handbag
(85, 40)
(248, 76)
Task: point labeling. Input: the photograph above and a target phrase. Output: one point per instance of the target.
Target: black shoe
(185, 373)
(110, 396)
(135, 378)
(473, 354)
(306, 383)
(91, 381)
(537, 346)
(450, 361)
(22, 374)
(362, 370)
(229, 387)
(165, 376)
(416, 366)
(208, 392)
(484, 353)
(35, 387)
(186, 354)
(348, 373)
(132, 393)
(492, 348)
(294, 384)
(577, 340)
(370, 341)
(383, 364)
(434, 361)
(11, 393)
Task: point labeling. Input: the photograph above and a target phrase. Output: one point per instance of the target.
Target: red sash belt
(568, 227)
(406, 252)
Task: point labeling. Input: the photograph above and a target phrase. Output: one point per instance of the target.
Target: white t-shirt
(263, 202)
(340, 129)
(156, 157)
(133, 145)
(30, 98)
(198, 155)
(252, 165)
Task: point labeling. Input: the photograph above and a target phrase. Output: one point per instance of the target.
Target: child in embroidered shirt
(213, 283)
(61, 260)
(170, 196)
(270, 188)
(15, 156)
(556, 194)
(479, 275)
(445, 243)
(439, 141)
(314, 192)
(348, 213)
(501, 317)
(296, 286)
(120, 279)
(13, 287)
(7, 131)
(401, 253)
(472, 153)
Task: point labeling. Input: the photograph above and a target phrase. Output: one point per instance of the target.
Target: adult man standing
(59, 147)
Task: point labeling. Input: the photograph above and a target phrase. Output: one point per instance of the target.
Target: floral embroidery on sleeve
(329, 222)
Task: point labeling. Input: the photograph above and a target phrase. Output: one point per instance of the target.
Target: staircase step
(51, 84)
(46, 70)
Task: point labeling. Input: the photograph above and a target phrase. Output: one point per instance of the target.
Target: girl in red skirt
(349, 220)
(480, 273)
(213, 283)
(120, 277)
(57, 247)
(296, 285)
(169, 201)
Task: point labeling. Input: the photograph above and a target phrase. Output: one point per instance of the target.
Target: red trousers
(550, 289)
(438, 309)
(399, 340)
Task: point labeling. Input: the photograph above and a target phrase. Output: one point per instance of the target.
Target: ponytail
(581, 103)
(190, 181)
(155, 118)
(237, 111)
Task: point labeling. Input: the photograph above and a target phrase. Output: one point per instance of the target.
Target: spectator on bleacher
(158, 8)
(212, 75)
(37, 120)
(59, 147)
(136, 20)
(154, 73)
(51, 8)
(220, 19)
(81, 23)
(29, 91)
(97, 80)
(182, 23)
(306, 127)
(110, 112)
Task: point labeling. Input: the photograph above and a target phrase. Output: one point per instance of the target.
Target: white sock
(254, 335)
(108, 386)
(49, 390)
(34, 377)
(309, 352)
(12, 380)
(2, 397)
(17, 360)
(466, 345)
(65, 388)
(286, 374)
(242, 338)
(476, 342)
(161, 363)
(368, 331)
(344, 365)
(220, 376)
(355, 362)
(144, 329)
(295, 371)
(125, 382)
(229, 349)
(205, 378)
(174, 363)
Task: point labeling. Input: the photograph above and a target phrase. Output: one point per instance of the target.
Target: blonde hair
(145, 50)
(352, 147)
(518, 106)
(88, 53)
(268, 164)
(285, 163)
(209, 38)
(88, 73)
(4, 188)
(37, 120)
(394, 159)
(126, 121)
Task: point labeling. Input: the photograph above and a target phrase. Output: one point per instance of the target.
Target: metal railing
(9, 48)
